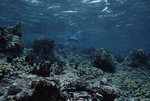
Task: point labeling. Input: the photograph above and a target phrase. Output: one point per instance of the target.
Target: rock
(37, 89)
(46, 90)
(14, 89)
(11, 42)
(109, 93)
(104, 60)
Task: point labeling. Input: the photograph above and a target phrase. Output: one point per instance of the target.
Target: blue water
(117, 25)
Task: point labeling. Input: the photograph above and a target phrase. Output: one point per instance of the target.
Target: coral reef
(73, 77)
(66, 73)
(104, 60)
(137, 58)
(11, 42)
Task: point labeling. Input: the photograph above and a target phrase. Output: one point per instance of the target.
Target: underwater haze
(117, 25)
(74, 50)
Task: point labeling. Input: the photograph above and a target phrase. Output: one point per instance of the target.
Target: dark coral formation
(11, 42)
(43, 49)
(29, 59)
(44, 46)
(104, 60)
(137, 58)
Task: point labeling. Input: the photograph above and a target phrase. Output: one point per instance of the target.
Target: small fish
(78, 36)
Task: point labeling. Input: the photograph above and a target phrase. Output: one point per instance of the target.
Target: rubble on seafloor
(58, 88)
(69, 73)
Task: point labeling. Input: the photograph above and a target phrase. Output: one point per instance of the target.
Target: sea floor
(130, 84)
